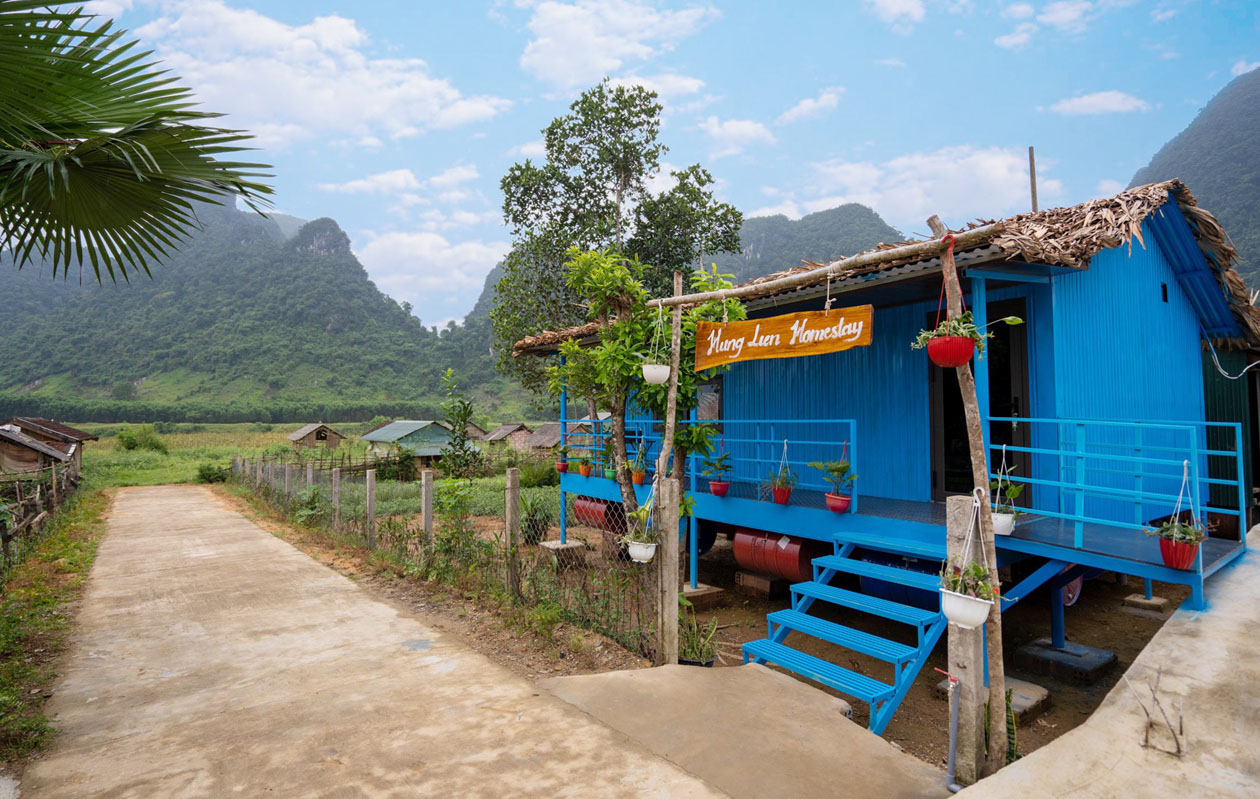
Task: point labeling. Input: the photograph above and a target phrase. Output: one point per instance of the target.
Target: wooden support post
(1032, 176)
(54, 485)
(310, 475)
(980, 478)
(371, 509)
(336, 496)
(512, 516)
(426, 504)
(666, 516)
(288, 480)
(258, 468)
(966, 660)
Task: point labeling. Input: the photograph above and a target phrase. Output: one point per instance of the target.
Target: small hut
(423, 439)
(545, 438)
(314, 435)
(510, 434)
(21, 454)
(59, 436)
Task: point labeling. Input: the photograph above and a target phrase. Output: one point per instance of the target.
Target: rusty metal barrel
(778, 554)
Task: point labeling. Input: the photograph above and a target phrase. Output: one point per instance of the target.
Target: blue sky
(398, 119)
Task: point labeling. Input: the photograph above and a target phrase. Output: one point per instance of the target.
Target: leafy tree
(460, 457)
(100, 151)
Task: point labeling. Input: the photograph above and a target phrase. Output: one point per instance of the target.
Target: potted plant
(716, 468)
(639, 538)
(954, 341)
(781, 483)
(1004, 495)
(838, 473)
(638, 467)
(584, 466)
(1179, 543)
(609, 460)
(966, 594)
(562, 464)
(536, 519)
(655, 373)
(696, 645)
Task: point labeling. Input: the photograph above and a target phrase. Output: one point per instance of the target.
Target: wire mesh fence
(487, 536)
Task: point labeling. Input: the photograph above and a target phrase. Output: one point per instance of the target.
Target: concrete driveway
(212, 659)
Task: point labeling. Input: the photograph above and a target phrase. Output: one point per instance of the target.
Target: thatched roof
(506, 429)
(306, 430)
(1063, 237)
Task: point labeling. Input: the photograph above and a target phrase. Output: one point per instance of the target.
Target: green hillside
(1218, 157)
(241, 325)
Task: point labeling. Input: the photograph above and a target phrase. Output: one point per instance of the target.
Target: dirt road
(212, 659)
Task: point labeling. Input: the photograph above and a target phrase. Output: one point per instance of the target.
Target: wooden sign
(788, 336)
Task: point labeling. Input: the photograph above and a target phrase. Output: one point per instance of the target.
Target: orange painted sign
(788, 336)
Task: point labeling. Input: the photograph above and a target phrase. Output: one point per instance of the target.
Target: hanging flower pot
(967, 612)
(951, 351)
(718, 488)
(781, 495)
(585, 469)
(1178, 554)
(1003, 523)
(638, 477)
(838, 503)
(656, 373)
(641, 552)
(562, 466)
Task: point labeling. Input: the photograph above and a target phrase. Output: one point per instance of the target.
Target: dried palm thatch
(1066, 237)
(549, 338)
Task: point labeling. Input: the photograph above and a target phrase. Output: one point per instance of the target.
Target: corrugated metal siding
(1227, 401)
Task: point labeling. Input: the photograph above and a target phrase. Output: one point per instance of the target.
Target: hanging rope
(1185, 485)
(654, 352)
(973, 531)
(827, 306)
(783, 462)
(948, 257)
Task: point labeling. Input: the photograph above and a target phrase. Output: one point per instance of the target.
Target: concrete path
(752, 732)
(1211, 668)
(212, 659)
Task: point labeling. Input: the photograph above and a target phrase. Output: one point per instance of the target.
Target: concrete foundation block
(568, 554)
(1027, 699)
(1075, 663)
(1157, 604)
(703, 597)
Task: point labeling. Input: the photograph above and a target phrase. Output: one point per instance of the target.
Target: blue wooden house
(1117, 386)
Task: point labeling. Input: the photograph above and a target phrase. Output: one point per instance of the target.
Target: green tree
(460, 457)
(100, 151)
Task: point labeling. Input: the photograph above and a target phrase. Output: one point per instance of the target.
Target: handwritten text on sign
(789, 336)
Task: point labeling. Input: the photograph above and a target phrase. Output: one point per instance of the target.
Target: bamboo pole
(929, 248)
(980, 475)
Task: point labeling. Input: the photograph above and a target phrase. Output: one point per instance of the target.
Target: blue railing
(1128, 474)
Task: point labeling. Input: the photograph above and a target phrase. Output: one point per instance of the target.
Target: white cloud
(897, 12)
(666, 84)
(828, 99)
(461, 173)
(1242, 67)
(787, 208)
(292, 82)
(1018, 11)
(1107, 187)
(1017, 38)
(1108, 102)
(1163, 14)
(1069, 16)
(392, 182)
(733, 136)
(890, 62)
(110, 9)
(959, 183)
(530, 149)
(428, 270)
(577, 43)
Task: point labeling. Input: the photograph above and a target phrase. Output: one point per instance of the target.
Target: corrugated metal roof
(52, 429)
(395, 430)
(21, 439)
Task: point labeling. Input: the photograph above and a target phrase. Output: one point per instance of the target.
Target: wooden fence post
(258, 468)
(336, 498)
(512, 516)
(426, 504)
(371, 508)
(666, 516)
(310, 475)
(966, 660)
(54, 485)
(288, 480)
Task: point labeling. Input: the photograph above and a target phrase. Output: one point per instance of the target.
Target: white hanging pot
(656, 373)
(641, 552)
(1003, 523)
(967, 612)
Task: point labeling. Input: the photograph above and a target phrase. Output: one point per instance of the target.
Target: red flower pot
(718, 488)
(1178, 555)
(951, 350)
(562, 466)
(637, 477)
(781, 495)
(838, 503)
(585, 469)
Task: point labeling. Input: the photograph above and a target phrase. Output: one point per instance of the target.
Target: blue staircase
(905, 661)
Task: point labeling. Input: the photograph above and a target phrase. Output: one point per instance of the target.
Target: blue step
(878, 571)
(829, 674)
(838, 634)
(899, 546)
(867, 604)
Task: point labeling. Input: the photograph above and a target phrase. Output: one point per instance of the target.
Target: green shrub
(144, 436)
(209, 473)
(536, 474)
(536, 519)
